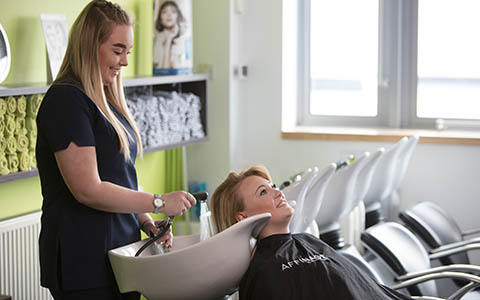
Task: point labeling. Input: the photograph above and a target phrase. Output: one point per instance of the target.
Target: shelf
(159, 80)
(18, 175)
(18, 91)
(195, 83)
(41, 88)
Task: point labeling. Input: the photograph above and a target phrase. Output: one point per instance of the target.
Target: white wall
(442, 173)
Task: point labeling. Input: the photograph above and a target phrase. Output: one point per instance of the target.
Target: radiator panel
(19, 263)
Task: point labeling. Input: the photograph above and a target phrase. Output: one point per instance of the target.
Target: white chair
(382, 182)
(297, 191)
(354, 223)
(306, 213)
(391, 205)
(338, 197)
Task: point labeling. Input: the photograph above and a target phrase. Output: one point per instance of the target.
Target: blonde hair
(226, 202)
(80, 65)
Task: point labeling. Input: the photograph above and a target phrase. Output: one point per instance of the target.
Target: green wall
(21, 21)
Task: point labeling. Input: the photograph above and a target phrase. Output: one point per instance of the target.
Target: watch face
(158, 203)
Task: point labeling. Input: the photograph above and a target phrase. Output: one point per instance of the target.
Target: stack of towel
(18, 133)
(166, 117)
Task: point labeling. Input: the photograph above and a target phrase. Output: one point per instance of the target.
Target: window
(448, 59)
(388, 63)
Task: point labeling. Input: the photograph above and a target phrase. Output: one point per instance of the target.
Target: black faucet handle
(200, 196)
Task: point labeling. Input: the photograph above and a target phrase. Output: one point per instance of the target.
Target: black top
(74, 238)
(301, 266)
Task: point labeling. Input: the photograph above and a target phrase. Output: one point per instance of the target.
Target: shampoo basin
(192, 269)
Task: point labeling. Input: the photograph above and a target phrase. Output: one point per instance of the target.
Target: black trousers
(102, 293)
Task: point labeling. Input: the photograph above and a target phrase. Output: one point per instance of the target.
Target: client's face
(260, 197)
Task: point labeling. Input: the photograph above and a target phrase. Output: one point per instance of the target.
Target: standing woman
(86, 148)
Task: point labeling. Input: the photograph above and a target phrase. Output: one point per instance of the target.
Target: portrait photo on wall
(172, 37)
(56, 38)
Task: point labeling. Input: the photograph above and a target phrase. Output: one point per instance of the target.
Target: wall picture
(172, 37)
(56, 39)
(4, 54)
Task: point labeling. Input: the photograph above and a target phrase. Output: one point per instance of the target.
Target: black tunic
(301, 266)
(75, 238)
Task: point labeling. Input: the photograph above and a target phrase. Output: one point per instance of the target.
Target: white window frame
(397, 74)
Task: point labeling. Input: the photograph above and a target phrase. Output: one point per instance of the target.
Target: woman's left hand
(151, 228)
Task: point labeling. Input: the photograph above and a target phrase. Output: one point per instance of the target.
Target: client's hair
(226, 201)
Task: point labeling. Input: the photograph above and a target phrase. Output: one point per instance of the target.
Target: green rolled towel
(12, 162)
(11, 105)
(3, 144)
(11, 145)
(22, 143)
(21, 106)
(33, 103)
(20, 126)
(24, 161)
(2, 127)
(10, 126)
(33, 158)
(30, 124)
(32, 139)
(4, 165)
(3, 107)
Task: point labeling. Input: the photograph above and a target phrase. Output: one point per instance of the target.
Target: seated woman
(284, 265)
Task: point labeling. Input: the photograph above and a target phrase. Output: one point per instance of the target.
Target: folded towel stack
(18, 133)
(166, 117)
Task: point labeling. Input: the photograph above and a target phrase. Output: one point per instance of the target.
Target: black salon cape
(74, 238)
(300, 266)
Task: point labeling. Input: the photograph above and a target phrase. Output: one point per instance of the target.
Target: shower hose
(165, 224)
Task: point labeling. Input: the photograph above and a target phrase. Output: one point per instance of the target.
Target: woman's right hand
(176, 203)
(171, 33)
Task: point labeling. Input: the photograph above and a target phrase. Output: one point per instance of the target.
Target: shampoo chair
(398, 256)
(211, 269)
(440, 232)
(338, 198)
(297, 191)
(304, 217)
(391, 205)
(382, 183)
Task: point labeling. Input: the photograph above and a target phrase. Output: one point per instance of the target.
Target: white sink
(191, 269)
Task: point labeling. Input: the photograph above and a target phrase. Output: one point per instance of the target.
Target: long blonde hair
(226, 202)
(80, 65)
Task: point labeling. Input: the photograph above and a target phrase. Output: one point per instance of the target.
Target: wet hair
(80, 66)
(180, 19)
(226, 202)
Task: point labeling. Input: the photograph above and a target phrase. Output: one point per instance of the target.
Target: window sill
(448, 137)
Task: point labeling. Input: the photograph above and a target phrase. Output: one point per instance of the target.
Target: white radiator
(19, 265)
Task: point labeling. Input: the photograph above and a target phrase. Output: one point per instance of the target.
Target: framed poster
(5, 58)
(172, 37)
(56, 39)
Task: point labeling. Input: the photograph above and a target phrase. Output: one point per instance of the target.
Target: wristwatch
(158, 203)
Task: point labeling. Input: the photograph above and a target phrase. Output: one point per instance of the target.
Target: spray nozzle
(200, 196)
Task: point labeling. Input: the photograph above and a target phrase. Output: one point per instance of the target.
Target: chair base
(333, 238)
(373, 217)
